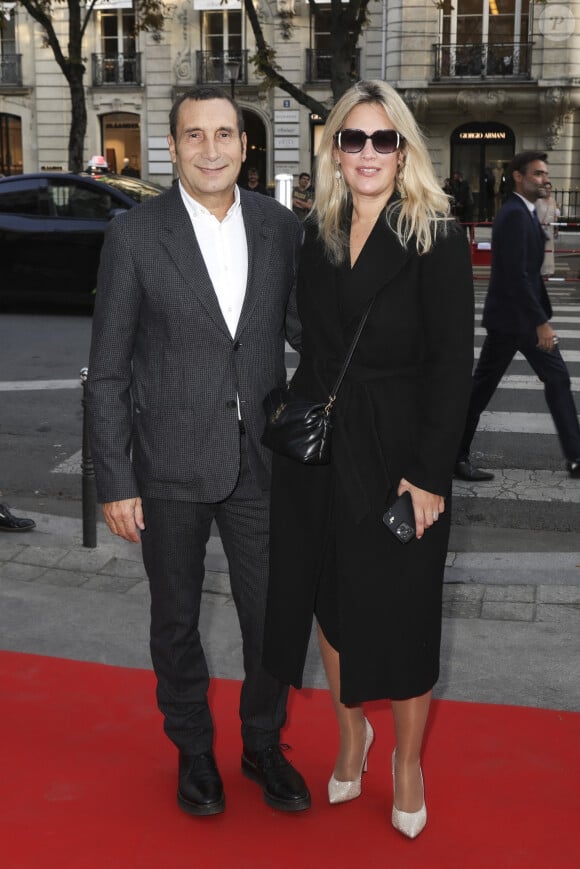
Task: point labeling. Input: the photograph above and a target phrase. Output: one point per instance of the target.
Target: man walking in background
(516, 314)
(194, 302)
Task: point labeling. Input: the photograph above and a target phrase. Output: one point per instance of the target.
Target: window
(7, 30)
(22, 197)
(70, 199)
(485, 37)
(10, 145)
(222, 40)
(222, 32)
(118, 46)
(118, 32)
(10, 72)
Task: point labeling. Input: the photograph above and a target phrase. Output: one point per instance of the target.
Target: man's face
(304, 181)
(208, 150)
(532, 184)
(253, 176)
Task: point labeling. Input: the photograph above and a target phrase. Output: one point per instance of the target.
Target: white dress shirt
(529, 205)
(224, 249)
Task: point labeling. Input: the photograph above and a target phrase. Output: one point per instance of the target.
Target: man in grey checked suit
(194, 301)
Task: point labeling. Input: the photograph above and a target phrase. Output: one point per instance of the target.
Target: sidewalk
(511, 632)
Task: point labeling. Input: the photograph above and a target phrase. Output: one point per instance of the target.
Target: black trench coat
(399, 413)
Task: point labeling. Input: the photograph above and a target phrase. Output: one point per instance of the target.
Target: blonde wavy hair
(421, 207)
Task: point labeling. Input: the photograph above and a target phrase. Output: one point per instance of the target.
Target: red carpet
(88, 780)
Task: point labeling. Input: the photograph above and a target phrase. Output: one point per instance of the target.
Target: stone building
(483, 77)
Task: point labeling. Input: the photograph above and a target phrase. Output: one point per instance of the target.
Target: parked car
(52, 226)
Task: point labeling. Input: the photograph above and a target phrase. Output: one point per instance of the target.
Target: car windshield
(133, 187)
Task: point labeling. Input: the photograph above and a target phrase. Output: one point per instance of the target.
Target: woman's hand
(427, 506)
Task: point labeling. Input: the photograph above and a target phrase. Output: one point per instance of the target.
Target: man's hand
(547, 338)
(427, 506)
(125, 518)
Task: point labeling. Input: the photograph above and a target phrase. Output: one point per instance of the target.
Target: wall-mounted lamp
(233, 71)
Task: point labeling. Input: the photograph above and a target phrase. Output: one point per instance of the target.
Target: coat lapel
(178, 238)
(380, 261)
(260, 239)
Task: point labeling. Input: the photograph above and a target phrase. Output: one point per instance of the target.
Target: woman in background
(380, 229)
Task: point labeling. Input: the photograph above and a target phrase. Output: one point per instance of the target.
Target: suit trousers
(497, 352)
(174, 545)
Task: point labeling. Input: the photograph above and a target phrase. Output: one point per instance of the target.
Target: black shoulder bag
(301, 429)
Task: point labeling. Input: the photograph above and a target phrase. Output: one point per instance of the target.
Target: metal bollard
(89, 490)
(283, 191)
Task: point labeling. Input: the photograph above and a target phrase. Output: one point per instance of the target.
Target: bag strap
(346, 363)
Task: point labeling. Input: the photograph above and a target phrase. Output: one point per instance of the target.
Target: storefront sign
(286, 156)
(103, 5)
(486, 135)
(287, 129)
(286, 141)
(286, 117)
(217, 4)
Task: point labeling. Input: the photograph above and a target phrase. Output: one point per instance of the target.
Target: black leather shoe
(466, 471)
(200, 790)
(282, 785)
(574, 468)
(8, 522)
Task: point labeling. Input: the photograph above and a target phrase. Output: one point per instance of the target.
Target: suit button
(237, 345)
(231, 403)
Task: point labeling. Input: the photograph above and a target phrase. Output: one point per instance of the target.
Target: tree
(347, 20)
(148, 15)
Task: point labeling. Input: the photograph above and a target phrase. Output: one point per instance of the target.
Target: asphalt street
(512, 592)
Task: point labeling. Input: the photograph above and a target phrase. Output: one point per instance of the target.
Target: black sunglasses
(353, 141)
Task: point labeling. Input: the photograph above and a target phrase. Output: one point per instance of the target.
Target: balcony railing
(509, 60)
(212, 69)
(117, 70)
(11, 69)
(318, 65)
(569, 204)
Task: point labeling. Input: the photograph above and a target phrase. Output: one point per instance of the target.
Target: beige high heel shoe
(343, 791)
(409, 824)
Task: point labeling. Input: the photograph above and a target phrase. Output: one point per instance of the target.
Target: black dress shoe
(574, 468)
(466, 471)
(8, 522)
(282, 785)
(200, 790)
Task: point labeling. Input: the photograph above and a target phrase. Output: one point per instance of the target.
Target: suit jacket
(517, 300)
(164, 370)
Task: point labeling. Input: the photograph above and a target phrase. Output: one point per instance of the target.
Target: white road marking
(38, 385)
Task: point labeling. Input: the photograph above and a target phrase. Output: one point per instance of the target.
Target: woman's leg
(410, 718)
(351, 720)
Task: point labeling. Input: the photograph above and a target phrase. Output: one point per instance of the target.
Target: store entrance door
(121, 133)
(481, 151)
(256, 157)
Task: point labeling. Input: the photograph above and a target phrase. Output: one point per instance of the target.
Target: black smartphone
(400, 518)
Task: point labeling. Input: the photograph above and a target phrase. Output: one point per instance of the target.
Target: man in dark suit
(516, 314)
(194, 300)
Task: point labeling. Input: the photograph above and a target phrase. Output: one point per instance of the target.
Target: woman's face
(368, 174)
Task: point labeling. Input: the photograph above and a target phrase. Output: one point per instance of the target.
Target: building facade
(485, 78)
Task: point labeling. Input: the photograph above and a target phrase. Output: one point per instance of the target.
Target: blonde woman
(380, 229)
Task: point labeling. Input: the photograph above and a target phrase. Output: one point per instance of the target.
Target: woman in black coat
(380, 230)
